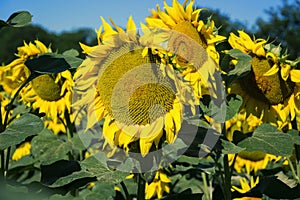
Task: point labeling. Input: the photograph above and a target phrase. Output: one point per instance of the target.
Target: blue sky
(63, 15)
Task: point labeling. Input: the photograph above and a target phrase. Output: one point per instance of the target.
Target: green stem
(7, 162)
(125, 190)
(293, 170)
(141, 187)
(2, 163)
(206, 189)
(227, 186)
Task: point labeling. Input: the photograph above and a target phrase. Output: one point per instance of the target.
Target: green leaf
(71, 52)
(70, 178)
(23, 162)
(48, 148)
(3, 24)
(19, 19)
(230, 148)
(198, 122)
(189, 160)
(234, 103)
(101, 171)
(268, 139)
(21, 128)
(101, 191)
(243, 65)
(49, 63)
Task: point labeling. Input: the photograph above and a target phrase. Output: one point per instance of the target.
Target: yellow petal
(295, 75)
(272, 71)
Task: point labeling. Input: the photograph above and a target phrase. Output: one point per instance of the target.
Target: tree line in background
(283, 26)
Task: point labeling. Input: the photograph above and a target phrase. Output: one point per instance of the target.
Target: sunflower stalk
(141, 187)
(125, 190)
(205, 186)
(227, 178)
(295, 175)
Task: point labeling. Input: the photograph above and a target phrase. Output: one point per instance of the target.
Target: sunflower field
(155, 110)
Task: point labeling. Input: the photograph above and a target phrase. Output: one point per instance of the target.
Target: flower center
(149, 102)
(132, 90)
(186, 42)
(253, 155)
(46, 87)
(272, 89)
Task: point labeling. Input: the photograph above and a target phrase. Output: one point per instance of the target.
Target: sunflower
(251, 162)
(246, 186)
(14, 74)
(270, 91)
(121, 85)
(187, 29)
(158, 186)
(51, 94)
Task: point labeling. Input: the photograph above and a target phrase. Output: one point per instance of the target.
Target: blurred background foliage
(283, 26)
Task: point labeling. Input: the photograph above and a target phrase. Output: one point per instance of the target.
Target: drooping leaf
(21, 128)
(243, 65)
(51, 63)
(70, 178)
(62, 168)
(230, 148)
(234, 103)
(19, 19)
(267, 138)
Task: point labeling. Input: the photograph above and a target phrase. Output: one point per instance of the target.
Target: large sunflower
(270, 91)
(187, 29)
(121, 84)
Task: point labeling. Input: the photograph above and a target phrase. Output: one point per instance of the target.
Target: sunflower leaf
(243, 65)
(3, 24)
(234, 103)
(48, 148)
(23, 127)
(230, 148)
(99, 169)
(20, 18)
(51, 63)
(268, 139)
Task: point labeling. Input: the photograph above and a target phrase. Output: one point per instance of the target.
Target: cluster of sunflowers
(140, 90)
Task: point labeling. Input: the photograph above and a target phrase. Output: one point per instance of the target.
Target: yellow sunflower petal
(295, 75)
(272, 71)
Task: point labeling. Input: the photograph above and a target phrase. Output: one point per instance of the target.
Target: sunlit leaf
(101, 171)
(23, 127)
(243, 65)
(19, 19)
(234, 103)
(48, 148)
(267, 138)
(230, 148)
